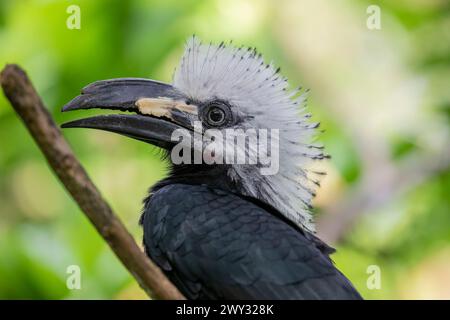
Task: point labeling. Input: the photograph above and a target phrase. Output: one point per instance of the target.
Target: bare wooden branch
(29, 106)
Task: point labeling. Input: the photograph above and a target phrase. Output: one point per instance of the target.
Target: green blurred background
(383, 97)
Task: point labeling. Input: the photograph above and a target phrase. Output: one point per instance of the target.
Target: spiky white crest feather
(240, 77)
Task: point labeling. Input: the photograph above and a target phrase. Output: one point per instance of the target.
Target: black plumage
(215, 244)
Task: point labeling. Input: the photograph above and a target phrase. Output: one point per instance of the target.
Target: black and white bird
(226, 230)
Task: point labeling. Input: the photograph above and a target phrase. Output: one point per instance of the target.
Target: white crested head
(262, 98)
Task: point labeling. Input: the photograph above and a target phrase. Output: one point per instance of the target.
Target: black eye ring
(217, 114)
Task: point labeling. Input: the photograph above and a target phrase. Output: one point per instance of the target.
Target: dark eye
(217, 114)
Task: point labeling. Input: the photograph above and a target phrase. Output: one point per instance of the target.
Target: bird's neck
(274, 191)
(214, 176)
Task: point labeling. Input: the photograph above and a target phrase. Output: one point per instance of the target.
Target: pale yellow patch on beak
(162, 107)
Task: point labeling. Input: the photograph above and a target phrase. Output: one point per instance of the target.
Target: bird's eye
(217, 114)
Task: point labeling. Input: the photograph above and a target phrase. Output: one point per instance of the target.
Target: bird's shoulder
(217, 244)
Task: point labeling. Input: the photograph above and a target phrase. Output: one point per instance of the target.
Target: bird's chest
(201, 221)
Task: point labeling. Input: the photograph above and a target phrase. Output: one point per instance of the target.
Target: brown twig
(29, 106)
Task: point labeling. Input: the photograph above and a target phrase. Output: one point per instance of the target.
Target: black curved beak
(159, 109)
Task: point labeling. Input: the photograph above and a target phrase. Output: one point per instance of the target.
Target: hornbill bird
(226, 230)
